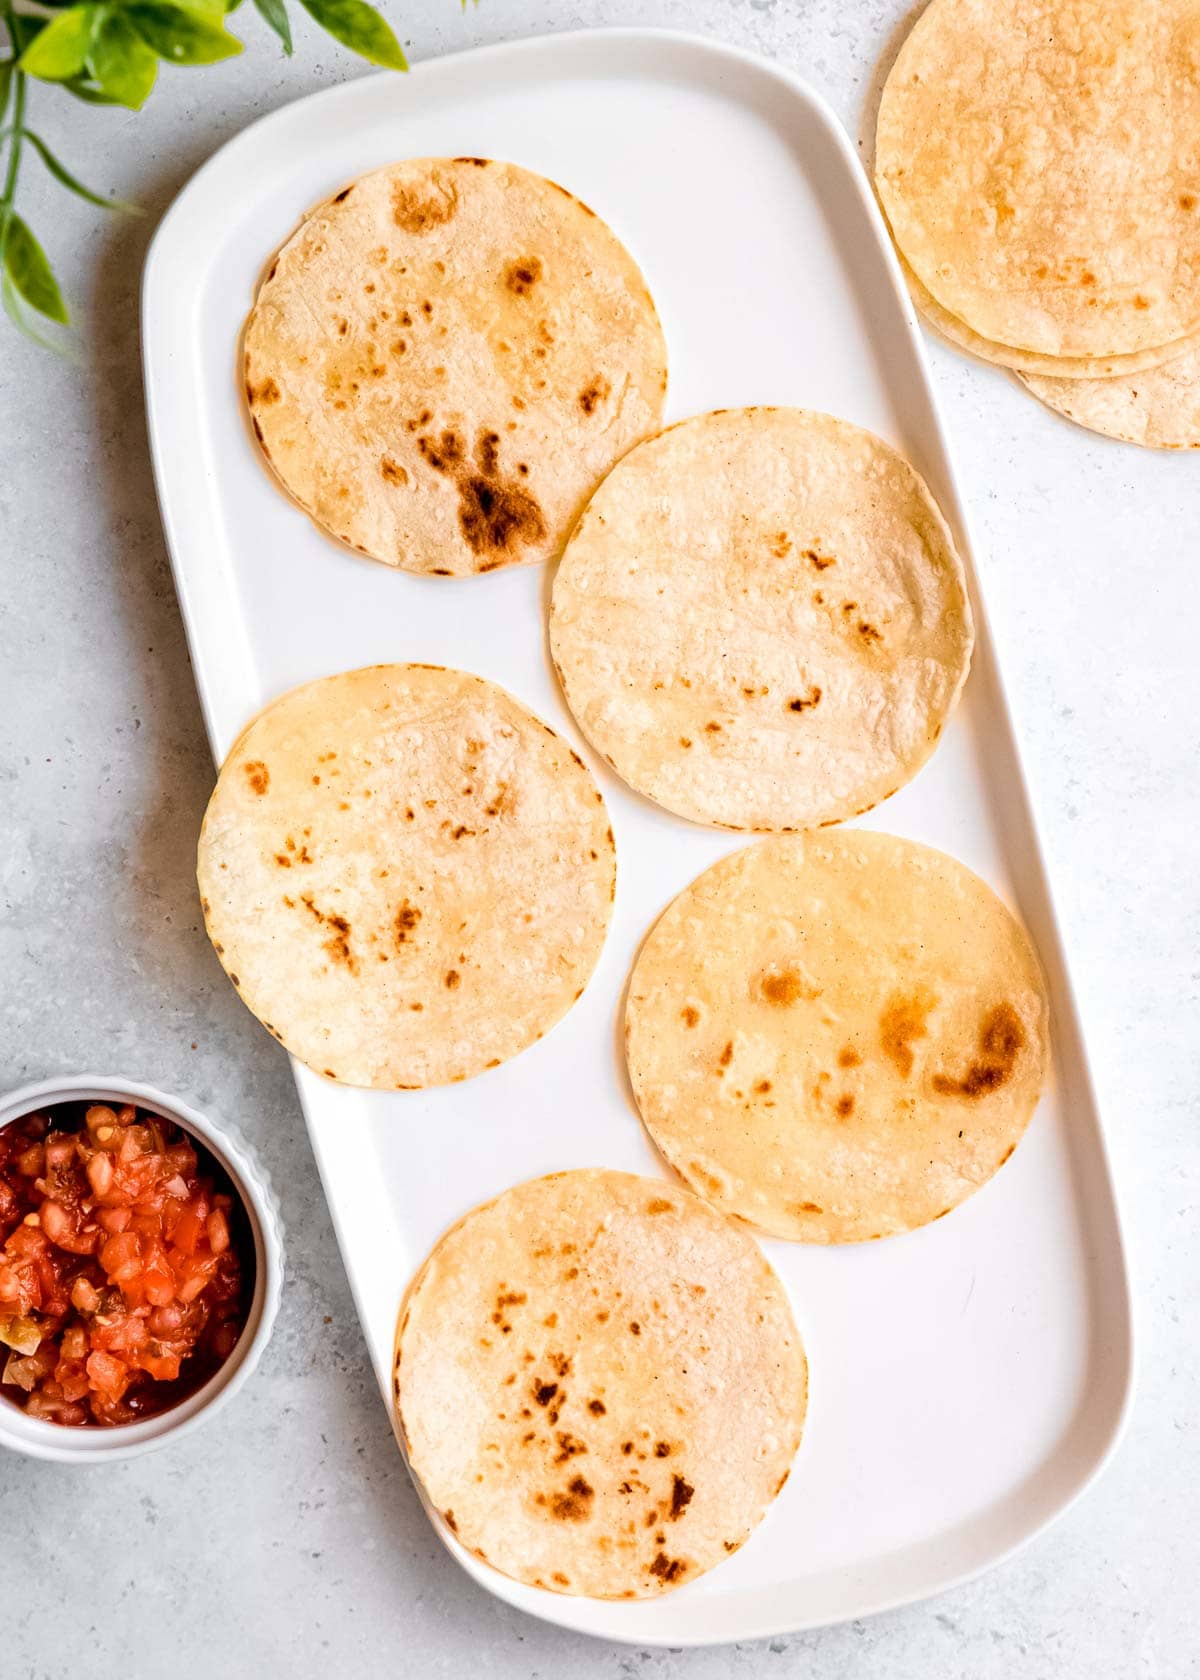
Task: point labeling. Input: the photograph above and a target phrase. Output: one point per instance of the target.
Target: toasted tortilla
(599, 1384)
(446, 358)
(1158, 408)
(761, 620)
(406, 875)
(1038, 166)
(837, 1037)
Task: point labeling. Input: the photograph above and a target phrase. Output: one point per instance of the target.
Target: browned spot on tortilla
(808, 1207)
(594, 393)
(803, 702)
(257, 775)
(340, 198)
(575, 1505)
(1141, 302)
(820, 561)
(844, 1106)
(763, 1086)
(662, 1449)
(268, 392)
(569, 1446)
(597, 1408)
(1001, 1038)
(868, 632)
(684, 742)
(417, 210)
(635, 1328)
(783, 989)
(689, 1016)
(392, 471)
(480, 163)
(902, 1021)
(448, 1519)
(523, 275)
(727, 1054)
(848, 1057)
(1187, 201)
(453, 978)
(338, 944)
(667, 1569)
(659, 1204)
(496, 515)
(781, 545)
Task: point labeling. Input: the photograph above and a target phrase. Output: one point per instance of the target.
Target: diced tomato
(218, 1231)
(188, 1228)
(162, 1366)
(121, 1257)
(100, 1173)
(73, 1380)
(85, 1297)
(122, 1283)
(74, 1343)
(110, 1376)
(60, 1151)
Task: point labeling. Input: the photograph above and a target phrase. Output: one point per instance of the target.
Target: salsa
(126, 1264)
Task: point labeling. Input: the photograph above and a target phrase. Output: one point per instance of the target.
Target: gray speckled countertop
(286, 1539)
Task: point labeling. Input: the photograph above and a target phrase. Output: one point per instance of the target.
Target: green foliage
(107, 52)
(123, 66)
(60, 49)
(359, 27)
(274, 13)
(26, 266)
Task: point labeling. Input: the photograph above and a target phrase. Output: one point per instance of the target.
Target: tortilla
(837, 1037)
(1159, 408)
(1039, 168)
(406, 874)
(761, 620)
(961, 336)
(446, 358)
(599, 1384)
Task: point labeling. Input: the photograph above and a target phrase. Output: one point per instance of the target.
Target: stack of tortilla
(1040, 169)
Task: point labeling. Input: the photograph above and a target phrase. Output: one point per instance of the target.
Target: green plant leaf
(179, 34)
(83, 89)
(6, 76)
(15, 313)
(60, 50)
(121, 62)
(27, 266)
(72, 183)
(361, 28)
(274, 12)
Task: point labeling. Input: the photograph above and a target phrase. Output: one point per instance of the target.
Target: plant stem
(15, 134)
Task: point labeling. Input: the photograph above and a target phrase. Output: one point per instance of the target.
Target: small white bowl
(87, 1445)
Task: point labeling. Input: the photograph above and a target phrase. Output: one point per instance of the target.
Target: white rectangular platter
(967, 1380)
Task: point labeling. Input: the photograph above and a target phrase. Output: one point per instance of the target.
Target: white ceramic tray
(967, 1380)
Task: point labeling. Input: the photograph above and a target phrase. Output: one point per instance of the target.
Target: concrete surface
(287, 1540)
